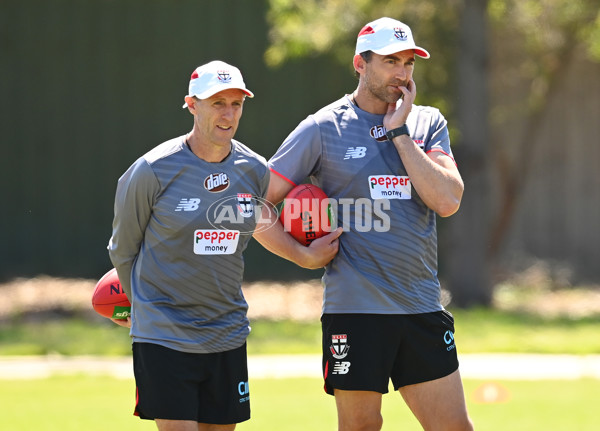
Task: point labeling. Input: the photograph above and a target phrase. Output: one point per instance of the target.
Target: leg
(439, 404)
(214, 427)
(358, 410)
(174, 425)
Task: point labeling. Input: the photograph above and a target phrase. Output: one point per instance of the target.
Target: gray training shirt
(387, 261)
(180, 227)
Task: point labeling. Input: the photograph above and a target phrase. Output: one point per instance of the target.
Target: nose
(228, 112)
(400, 72)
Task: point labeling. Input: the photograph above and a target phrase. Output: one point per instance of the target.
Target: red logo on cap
(194, 75)
(367, 29)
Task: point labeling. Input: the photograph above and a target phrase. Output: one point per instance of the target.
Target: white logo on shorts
(341, 367)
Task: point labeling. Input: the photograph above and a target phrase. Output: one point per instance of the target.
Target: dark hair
(367, 56)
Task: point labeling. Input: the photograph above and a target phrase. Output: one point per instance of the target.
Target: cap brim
(392, 49)
(210, 92)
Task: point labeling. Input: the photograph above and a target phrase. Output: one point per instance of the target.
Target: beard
(382, 91)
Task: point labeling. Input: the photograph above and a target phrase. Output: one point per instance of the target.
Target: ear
(359, 64)
(191, 103)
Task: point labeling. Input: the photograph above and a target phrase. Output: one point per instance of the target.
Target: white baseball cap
(387, 36)
(213, 77)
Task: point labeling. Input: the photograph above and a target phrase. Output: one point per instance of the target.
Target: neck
(207, 151)
(367, 102)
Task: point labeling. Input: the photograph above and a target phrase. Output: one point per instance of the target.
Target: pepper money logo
(390, 187)
(215, 241)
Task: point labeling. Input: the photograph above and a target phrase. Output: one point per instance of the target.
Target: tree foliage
(533, 43)
(543, 34)
(540, 29)
(329, 27)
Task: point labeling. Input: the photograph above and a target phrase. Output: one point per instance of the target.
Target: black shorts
(209, 388)
(361, 352)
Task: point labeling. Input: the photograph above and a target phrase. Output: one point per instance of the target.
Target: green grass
(102, 403)
(490, 331)
(477, 331)
(69, 404)
(284, 337)
(64, 336)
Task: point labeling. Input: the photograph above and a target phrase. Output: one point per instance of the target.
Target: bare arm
(270, 234)
(434, 176)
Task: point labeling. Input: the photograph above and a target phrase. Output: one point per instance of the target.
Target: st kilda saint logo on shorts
(339, 346)
(245, 206)
(215, 183)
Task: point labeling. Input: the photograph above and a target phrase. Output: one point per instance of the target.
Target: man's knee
(463, 423)
(362, 422)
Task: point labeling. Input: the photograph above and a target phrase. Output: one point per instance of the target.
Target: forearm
(434, 176)
(271, 236)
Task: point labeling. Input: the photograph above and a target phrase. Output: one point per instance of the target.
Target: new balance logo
(355, 153)
(341, 368)
(186, 204)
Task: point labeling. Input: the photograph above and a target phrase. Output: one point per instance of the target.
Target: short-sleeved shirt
(180, 227)
(387, 260)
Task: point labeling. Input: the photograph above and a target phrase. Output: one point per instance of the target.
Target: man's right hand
(123, 322)
(322, 250)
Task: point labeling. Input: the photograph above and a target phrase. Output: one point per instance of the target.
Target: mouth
(224, 127)
(397, 86)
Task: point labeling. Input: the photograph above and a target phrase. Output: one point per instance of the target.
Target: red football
(306, 213)
(109, 299)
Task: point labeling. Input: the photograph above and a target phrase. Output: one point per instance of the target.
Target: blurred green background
(87, 86)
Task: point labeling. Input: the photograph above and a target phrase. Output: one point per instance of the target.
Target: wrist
(398, 131)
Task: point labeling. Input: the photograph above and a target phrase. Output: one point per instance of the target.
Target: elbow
(449, 206)
(447, 210)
